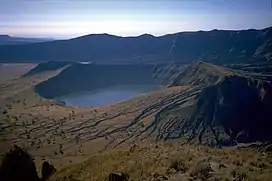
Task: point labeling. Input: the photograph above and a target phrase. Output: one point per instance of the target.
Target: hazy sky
(70, 18)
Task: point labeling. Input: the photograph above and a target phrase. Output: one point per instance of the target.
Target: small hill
(201, 74)
(46, 66)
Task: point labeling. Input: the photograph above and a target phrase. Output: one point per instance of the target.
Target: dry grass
(168, 160)
(12, 71)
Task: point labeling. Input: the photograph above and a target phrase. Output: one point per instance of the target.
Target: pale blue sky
(70, 18)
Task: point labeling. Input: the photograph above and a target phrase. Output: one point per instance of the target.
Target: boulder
(118, 177)
(47, 170)
(17, 165)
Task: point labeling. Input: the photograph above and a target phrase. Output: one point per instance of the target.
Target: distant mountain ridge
(217, 46)
(10, 40)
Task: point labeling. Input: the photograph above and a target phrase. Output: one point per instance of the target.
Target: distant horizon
(64, 19)
(65, 38)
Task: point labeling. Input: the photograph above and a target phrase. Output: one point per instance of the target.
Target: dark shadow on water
(110, 95)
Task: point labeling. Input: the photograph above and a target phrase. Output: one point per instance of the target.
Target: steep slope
(46, 66)
(216, 105)
(218, 46)
(219, 107)
(236, 108)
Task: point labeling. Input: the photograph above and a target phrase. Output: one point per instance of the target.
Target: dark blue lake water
(101, 97)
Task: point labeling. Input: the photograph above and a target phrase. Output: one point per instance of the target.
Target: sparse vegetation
(72, 135)
(147, 162)
(180, 165)
(201, 170)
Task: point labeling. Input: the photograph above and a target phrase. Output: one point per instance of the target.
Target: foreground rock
(17, 165)
(118, 177)
(47, 170)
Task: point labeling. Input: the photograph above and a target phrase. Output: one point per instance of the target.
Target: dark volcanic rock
(47, 170)
(17, 165)
(118, 177)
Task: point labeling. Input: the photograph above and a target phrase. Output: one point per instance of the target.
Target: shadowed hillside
(84, 77)
(234, 108)
(220, 106)
(216, 46)
(47, 66)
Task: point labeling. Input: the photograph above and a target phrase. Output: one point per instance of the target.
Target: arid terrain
(134, 90)
(178, 132)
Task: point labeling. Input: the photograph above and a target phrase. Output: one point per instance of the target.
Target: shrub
(201, 170)
(179, 165)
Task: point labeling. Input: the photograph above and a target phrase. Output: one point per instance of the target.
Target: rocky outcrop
(17, 164)
(47, 170)
(118, 177)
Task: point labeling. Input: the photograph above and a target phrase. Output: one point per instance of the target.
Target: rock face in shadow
(237, 108)
(85, 77)
(231, 106)
(46, 66)
(47, 170)
(118, 177)
(18, 165)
